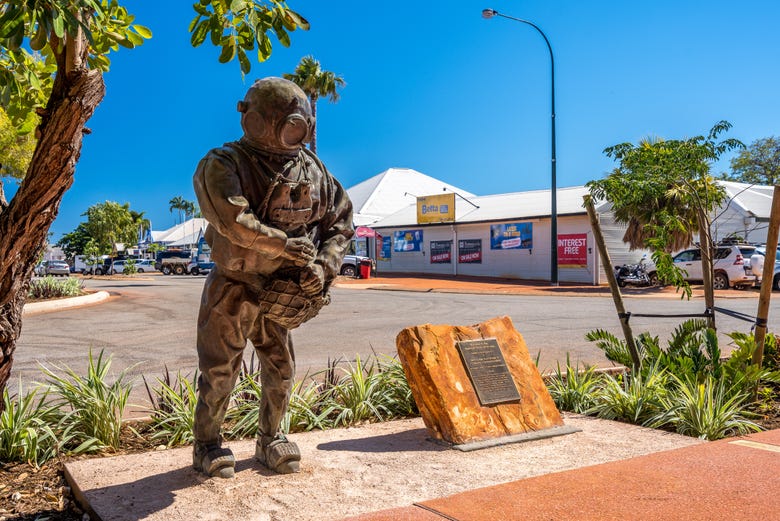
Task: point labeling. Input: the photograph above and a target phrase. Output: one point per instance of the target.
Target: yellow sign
(436, 209)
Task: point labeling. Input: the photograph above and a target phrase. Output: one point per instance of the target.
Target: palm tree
(315, 82)
(177, 203)
(141, 223)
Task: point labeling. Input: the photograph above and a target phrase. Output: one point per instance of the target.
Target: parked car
(53, 267)
(731, 265)
(101, 268)
(757, 267)
(350, 266)
(145, 266)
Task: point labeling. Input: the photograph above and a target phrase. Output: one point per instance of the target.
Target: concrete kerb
(65, 303)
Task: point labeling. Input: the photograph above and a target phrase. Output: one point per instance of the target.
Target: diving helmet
(276, 116)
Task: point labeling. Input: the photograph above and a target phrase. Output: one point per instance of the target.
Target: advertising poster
(511, 236)
(470, 251)
(573, 250)
(384, 254)
(441, 252)
(408, 240)
(436, 209)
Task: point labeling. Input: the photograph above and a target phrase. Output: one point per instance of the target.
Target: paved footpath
(728, 480)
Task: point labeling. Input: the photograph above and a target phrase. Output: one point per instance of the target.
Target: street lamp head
(489, 13)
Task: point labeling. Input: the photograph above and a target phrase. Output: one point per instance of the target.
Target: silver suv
(731, 265)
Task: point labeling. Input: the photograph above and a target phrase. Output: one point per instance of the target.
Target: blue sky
(434, 87)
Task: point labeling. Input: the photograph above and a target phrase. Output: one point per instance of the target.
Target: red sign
(573, 250)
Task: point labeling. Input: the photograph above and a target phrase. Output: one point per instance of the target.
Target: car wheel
(348, 270)
(140, 270)
(720, 281)
(166, 270)
(195, 271)
(776, 283)
(179, 269)
(98, 271)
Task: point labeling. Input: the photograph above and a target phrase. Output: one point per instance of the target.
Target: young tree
(758, 164)
(110, 223)
(75, 38)
(315, 82)
(73, 243)
(663, 191)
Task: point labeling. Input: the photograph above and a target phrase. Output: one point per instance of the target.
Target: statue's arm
(337, 231)
(224, 206)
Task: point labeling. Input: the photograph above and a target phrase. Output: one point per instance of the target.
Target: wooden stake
(613, 285)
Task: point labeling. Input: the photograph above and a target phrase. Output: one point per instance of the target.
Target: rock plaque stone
(446, 397)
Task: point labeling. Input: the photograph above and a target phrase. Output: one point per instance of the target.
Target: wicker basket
(284, 302)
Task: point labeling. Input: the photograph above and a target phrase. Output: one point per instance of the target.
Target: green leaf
(200, 33)
(143, 31)
(228, 52)
(59, 25)
(284, 38)
(243, 61)
(39, 41)
(264, 48)
(237, 5)
(300, 21)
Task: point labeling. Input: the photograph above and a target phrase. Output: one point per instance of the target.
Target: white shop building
(508, 235)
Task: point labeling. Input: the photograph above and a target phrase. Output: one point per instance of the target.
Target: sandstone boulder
(446, 397)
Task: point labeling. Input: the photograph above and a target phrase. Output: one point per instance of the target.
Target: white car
(731, 265)
(141, 266)
(757, 266)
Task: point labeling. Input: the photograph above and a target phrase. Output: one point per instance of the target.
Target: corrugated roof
(393, 189)
(499, 207)
(753, 200)
(181, 234)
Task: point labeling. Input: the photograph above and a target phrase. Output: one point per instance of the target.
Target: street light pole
(490, 13)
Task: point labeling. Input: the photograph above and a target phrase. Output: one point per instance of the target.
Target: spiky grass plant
(309, 408)
(244, 415)
(400, 400)
(360, 396)
(636, 399)
(50, 287)
(90, 405)
(26, 432)
(574, 390)
(173, 408)
(705, 410)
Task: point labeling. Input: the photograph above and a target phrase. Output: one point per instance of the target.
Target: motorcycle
(635, 274)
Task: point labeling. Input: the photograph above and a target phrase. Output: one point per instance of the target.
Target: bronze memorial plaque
(488, 371)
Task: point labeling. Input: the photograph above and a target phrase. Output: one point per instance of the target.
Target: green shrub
(173, 408)
(706, 410)
(636, 399)
(50, 287)
(576, 390)
(360, 395)
(26, 428)
(90, 406)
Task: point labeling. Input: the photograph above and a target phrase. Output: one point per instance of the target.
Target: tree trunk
(25, 222)
(708, 273)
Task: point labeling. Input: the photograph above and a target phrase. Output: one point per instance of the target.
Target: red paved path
(729, 480)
